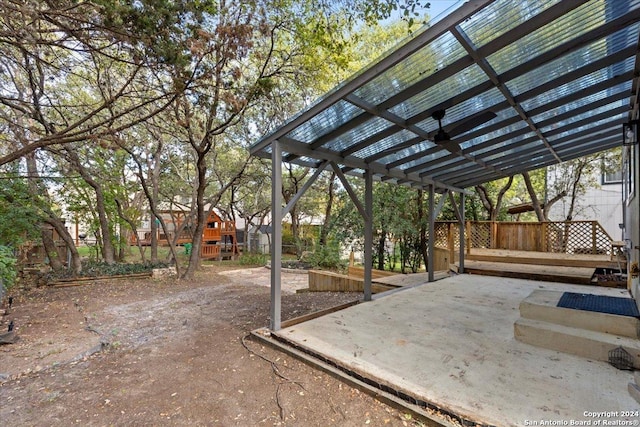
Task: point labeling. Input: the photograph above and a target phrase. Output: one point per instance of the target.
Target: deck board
(546, 258)
(547, 273)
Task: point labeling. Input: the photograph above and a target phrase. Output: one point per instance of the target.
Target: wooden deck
(545, 258)
(546, 273)
(543, 266)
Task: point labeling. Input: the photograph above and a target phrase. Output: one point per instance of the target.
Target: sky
(439, 6)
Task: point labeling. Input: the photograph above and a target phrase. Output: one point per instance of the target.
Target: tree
(492, 195)
(52, 52)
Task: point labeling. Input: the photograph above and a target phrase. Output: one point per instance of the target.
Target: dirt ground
(169, 353)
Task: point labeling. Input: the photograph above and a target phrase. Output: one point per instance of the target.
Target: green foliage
(18, 212)
(326, 257)
(7, 266)
(253, 259)
(95, 269)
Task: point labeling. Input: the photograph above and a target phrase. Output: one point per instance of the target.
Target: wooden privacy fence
(571, 237)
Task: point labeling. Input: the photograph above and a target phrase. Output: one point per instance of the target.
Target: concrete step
(581, 342)
(542, 305)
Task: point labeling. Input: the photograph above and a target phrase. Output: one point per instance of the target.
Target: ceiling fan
(443, 138)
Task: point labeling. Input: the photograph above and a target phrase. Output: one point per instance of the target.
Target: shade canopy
(521, 84)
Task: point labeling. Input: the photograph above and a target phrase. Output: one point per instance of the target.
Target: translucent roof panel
(466, 79)
(355, 135)
(459, 112)
(512, 148)
(573, 61)
(584, 127)
(622, 88)
(586, 115)
(430, 167)
(412, 150)
(517, 84)
(433, 57)
(500, 17)
(424, 160)
(576, 85)
(570, 26)
(331, 118)
(471, 145)
(385, 144)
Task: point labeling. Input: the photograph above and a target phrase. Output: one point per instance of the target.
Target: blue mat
(600, 304)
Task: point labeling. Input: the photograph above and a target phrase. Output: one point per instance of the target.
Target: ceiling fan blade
(472, 122)
(450, 146)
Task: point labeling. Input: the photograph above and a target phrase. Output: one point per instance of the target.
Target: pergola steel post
(276, 237)
(462, 227)
(368, 232)
(431, 241)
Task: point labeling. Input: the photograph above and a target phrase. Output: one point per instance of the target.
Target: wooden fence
(572, 237)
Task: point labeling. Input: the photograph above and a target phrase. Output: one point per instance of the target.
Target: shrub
(253, 259)
(92, 268)
(8, 270)
(327, 257)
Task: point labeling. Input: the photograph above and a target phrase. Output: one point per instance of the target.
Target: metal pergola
(522, 85)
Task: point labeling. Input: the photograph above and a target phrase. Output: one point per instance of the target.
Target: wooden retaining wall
(327, 281)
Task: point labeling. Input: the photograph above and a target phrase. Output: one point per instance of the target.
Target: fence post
(494, 235)
(594, 241)
(450, 244)
(544, 242)
(468, 231)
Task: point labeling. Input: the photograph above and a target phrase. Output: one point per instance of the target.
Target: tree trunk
(380, 249)
(76, 262)
(50, 250)
(424, 238)
(493, 208)
(201, 219)
(534, 197)
(327, 212)
(36, 187)
(108, 250)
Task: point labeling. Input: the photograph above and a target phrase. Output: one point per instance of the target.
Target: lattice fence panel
(578, 237)
(441, 234)
(481, 235)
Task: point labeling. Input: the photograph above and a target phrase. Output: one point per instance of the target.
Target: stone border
(289, 270)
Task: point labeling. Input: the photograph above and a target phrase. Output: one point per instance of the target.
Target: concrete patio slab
(451, 344)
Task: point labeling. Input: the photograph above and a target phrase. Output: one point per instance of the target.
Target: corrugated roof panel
(500, 17)
(461, 111)
(511, 148)
(586, 115)
(569, 83)
(426, 159)
(466, 79)
(406, 152)
(431, 169)
(577, 85)
(573, 61)
(468, 146)
(331, 118)
(357, 134)
(435, 56)
(585, 127)
(569, 26)
(385, 144)
(548, 114)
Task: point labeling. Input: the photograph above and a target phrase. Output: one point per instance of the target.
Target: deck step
(543, 305)
(580, 342)
(548, 273)
(546, 258)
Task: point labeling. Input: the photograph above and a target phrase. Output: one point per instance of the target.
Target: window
(612, 168)
(612, 177)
